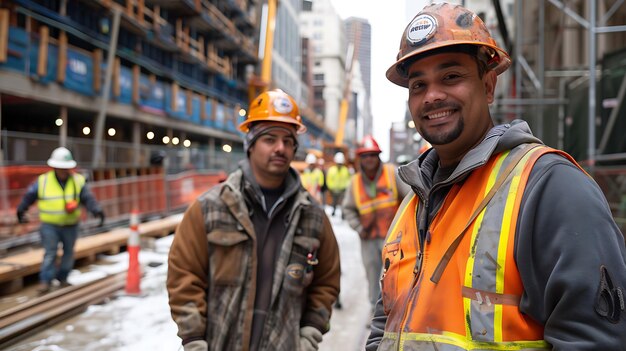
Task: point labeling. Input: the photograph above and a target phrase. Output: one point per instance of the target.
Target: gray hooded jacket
(569, 251)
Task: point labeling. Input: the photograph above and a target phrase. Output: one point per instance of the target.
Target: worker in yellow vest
(370, 202)
(337, 179)
(312, 177)
(59, 194)
(505, 243)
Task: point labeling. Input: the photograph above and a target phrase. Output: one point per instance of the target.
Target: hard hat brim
(61, 164)
(394, 75)
(300, 128)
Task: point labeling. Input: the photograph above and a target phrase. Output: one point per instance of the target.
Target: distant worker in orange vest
(505, 243)
(312, 177)
(59, 194)
(337, 179)
(369, 204)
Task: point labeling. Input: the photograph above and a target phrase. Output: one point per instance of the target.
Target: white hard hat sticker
(283, 105)
(421, 29)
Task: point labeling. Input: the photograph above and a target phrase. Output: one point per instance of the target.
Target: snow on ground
(143, 323)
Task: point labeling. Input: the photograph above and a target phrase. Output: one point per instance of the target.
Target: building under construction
(133, 87)
(569, 81)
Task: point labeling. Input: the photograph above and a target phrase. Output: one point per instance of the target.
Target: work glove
(21, 217)
(310, 338)
(196, 345)
(100, 215)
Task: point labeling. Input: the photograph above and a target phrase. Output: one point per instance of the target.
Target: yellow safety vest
(52, 198)
(337, 178)
(312, 181)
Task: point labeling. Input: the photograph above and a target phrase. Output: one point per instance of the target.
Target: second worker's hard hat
(368, 145)
(339, 158)
(61, 158)
(442, 25)
(310, 158)
(274, 105)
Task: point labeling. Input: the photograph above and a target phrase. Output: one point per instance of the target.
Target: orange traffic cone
(134, 271)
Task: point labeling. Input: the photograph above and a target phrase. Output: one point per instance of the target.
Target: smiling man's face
(449, 101)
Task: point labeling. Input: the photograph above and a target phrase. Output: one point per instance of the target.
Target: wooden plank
(117, 89)
(42, 58)
(140, 12)
(173, 104)
(62, 57)
(97, 71)
(4, 34)
(129, 8)
(203, 115)
(27, 263)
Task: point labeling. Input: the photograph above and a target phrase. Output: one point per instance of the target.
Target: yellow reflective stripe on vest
(409, 202)
(469, 271)
(448, 341)
(490, 240)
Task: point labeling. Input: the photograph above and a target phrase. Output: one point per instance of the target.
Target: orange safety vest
(475, 303)
(376, 214)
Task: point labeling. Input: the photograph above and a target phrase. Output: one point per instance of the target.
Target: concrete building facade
(325, 30)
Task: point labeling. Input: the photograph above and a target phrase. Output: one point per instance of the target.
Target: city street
(144, 323)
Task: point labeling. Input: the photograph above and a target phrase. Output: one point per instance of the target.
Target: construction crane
(256, 84)
(344, 107)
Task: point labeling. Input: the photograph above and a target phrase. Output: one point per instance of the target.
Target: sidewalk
(348, 330)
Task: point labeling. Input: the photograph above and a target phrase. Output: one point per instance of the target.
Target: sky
(388, 19)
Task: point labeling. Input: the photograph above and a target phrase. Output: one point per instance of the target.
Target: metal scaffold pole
(592, 87)
(97, 159)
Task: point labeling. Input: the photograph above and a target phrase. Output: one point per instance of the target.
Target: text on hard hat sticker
(282, 105)
(421, 29)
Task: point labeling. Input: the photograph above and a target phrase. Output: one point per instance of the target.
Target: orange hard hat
(442, 25)
(274, 105)
(368, 145)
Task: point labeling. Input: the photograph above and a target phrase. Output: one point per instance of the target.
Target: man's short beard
(442, 139)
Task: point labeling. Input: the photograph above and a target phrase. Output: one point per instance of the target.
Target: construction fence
(150, 191)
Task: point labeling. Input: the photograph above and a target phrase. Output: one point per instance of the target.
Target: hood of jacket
(419, 173)
(243, 181)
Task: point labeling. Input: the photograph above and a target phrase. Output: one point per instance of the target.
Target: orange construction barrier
(133, 276)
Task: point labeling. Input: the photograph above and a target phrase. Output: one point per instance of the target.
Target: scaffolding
(557, 54)
(536, 86)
